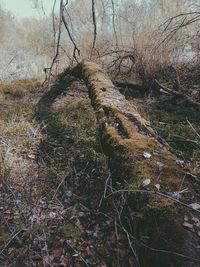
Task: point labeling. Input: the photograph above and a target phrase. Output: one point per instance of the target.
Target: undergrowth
(53, 173)
(74, 147)
(175, 121)
(51, 169)
(18, 88)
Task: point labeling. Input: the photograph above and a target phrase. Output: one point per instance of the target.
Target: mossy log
(146, 169)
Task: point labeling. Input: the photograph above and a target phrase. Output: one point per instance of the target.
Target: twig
(113, 22)
(105, 190)
(54, 27)
(128, 237)
(171, 252)
(11, 239)
(76, 49)
(45, 241)
(153, 249)
(78, 254)
(177, 93)
(193, 128)
(187, 140)
(16, 203)
(48, 76)
(95, 27)
(5, 68)
(62, 181)
(36, 253)
(154, 193)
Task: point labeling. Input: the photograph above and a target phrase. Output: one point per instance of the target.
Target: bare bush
(158, 33)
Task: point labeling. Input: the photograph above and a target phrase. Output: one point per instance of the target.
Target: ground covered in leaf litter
(52, 182)
(53, 176)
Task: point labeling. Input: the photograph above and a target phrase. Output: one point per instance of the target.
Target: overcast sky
(25, 8)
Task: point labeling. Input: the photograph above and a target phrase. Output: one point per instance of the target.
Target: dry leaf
(195, 206)
(146, 182)
(146, 155)
(157, 186)
(179, 162)
(188, 225)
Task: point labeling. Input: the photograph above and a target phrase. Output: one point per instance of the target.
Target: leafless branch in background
(174, 24)
(48, 71)
(76, 49)
(95, 27)
(54, 26)
(113, 22)
(62, 20)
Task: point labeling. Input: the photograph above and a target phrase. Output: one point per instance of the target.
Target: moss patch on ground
(18, 88)
(78, 151)
(172, 120)
(47, 166)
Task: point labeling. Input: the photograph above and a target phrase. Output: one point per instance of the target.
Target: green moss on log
(126, 138)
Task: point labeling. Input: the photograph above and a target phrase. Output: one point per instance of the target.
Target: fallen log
(145, 171)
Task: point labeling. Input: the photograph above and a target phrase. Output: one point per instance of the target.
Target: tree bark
(147, 173)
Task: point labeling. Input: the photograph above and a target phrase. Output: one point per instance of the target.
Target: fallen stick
(177, 93)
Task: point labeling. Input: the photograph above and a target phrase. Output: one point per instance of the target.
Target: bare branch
(113, 22)
(76, 49)
(54, 27)
(49, 74)
(95, 27)
(173, 92)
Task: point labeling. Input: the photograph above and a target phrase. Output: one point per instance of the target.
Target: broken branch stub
(136, 156)
(170, 91)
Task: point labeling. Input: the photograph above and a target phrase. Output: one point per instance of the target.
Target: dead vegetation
(63, 202)
(58, 195)
(52, 180)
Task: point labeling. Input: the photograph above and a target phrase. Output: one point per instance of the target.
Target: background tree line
(122, 35)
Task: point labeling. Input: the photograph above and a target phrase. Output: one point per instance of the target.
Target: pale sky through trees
(25, 8)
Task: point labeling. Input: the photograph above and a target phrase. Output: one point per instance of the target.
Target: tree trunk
(148, 174)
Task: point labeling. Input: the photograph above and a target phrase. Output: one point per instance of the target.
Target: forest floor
(53, 175)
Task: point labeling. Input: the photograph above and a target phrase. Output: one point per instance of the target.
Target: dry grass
(18, 88)
(20, 133)
(40, 166)
(19, 143)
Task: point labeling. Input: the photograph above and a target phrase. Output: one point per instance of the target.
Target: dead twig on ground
(193, 128)
(10, 240)
(154, 193)
(177, 93)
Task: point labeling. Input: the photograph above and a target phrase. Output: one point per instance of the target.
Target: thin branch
(154, 193)
(54, 27)
(7, 65)
(170, 252)
(193, 128)
(177, 93)
(10, 240)
(113, 22)
(186, 139)
(169, 20)
(78, 253)
(76, 49)
(120, 225)
(95, 27)
(48, 76)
